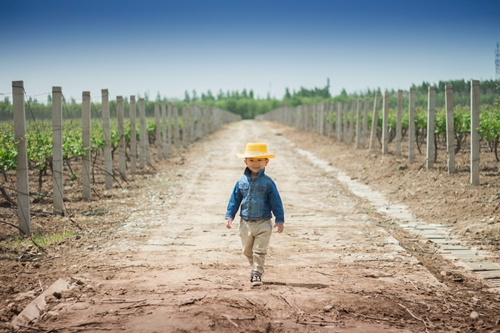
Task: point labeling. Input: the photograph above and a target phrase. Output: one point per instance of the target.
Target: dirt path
(172, 266)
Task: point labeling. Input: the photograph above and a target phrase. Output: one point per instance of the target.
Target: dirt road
(172, 266)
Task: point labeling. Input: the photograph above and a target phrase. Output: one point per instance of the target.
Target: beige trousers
(255, 237)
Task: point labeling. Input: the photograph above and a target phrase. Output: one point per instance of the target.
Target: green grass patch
(42, 240)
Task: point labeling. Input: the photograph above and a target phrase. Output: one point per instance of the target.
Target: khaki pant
(255, 237)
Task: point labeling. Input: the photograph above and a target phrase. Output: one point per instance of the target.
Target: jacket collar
(260, 174)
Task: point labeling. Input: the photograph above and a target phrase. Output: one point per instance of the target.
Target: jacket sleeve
(276, 204)
(234, 202)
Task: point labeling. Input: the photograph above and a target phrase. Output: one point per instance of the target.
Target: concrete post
(169, 129)
(345, 130)
(142, 133)
(358, 123)
(399, 119)
(338, 124)
(474, 132)
(133, 136)
(23, 199)
(385, 123)
(450, 129)
(322, 118)
(86, 187)
(57, 152)
(365, 122)
(122, 165)
(164, 128)
(177, 140)
(411, 126)
(351, 120)
(185, 125)
(431, 116)
(373, 134)
(108, 163)
(158, 141)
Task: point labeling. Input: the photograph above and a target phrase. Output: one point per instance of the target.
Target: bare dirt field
(155, 256)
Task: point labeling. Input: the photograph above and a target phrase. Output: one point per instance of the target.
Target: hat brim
(247, 155)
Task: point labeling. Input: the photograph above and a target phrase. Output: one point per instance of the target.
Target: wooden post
(399, 119)
(385, 123)
(358, 123)
(86, 187)
(177, 140)
(450, 129)
(122, 165)
(23, 194)
(164, 128)
(133, 136)
(108, 163)
(57, 152)
(142, 134)
(365, 123)
(474, 132)
(411, 126)
(158, 141)
(431, 116)
(374, 122)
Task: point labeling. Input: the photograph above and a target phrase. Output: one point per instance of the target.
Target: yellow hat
(256, 150)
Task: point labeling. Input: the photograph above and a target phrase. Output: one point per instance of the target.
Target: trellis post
(133, 136)
(338, 124)
(122, 165)
(108, 163)
(23, 198)
(411, 126)
(177, 140)
(385, 123)
(374, 122)
(164, 128)
(142, 133)
(365, 122)
(450, 129)
(399, 119)
(158, 141)
(431, 116)
(57, 152)
(86, 187)
(474, 132)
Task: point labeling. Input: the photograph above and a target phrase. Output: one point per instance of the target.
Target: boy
(258, 196)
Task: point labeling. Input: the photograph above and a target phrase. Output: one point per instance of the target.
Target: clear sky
(134, 47)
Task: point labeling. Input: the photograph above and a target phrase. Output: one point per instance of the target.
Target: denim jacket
(258, 197)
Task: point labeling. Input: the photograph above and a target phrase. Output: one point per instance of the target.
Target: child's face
(256, 164)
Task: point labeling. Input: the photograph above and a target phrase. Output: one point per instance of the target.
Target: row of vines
(39, 145)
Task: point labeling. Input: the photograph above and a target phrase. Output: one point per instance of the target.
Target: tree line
(247, 105)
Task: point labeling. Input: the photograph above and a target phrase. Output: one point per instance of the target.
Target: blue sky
(132, 47)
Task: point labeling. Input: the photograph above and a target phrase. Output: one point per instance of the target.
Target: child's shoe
(256, 280)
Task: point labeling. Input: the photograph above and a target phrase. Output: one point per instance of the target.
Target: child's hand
(280, 227)
(228, 223)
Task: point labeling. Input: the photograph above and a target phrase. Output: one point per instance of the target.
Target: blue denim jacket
(258, 198)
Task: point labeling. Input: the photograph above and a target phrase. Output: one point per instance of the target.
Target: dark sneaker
(256, 280)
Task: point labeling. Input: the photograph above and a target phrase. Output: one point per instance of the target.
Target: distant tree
(194, 97)
(187, 99)
(251, 94)
(244, 93)
(220, 95)
(343, 93)
(287, 94)
(158, 96)
(209, 96)
(49, 99)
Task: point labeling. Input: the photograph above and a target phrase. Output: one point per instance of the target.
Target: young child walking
(258, 196)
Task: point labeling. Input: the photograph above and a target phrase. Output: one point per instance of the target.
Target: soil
(153, 254)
